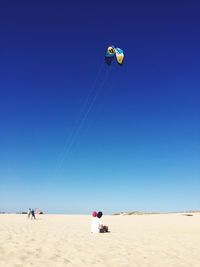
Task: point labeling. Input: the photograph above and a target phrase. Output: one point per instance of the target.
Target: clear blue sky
(139, 146)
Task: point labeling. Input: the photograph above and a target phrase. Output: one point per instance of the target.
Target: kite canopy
(111, 52)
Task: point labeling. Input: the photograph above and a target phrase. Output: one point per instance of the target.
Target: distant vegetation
(144, 213)
(135, 213)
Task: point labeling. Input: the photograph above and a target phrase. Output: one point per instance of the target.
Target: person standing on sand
(29, 213)
(33, 214)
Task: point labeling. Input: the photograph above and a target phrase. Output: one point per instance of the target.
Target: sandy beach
(134, 240)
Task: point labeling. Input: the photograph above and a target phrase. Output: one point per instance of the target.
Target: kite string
(84, 118)
(84, 106)
(89, 109)
(80, 116)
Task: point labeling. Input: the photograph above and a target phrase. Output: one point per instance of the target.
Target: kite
(112, 52)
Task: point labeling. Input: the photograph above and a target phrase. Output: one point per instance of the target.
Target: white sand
(65, 240)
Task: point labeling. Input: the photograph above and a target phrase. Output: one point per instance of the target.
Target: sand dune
(157, 240)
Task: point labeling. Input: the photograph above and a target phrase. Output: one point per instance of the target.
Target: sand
(65, 240)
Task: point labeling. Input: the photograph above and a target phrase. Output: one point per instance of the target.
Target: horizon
(136, 212)
(77, 135)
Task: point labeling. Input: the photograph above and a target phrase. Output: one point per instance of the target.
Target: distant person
(33, 214)
(97, 225)
(29, 213)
